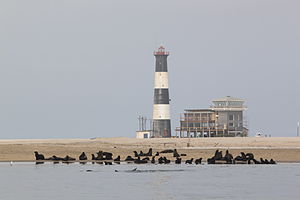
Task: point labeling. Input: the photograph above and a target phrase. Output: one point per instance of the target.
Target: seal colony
(144, 158)
(280, 149)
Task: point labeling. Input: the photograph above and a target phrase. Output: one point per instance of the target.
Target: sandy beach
(282, 149)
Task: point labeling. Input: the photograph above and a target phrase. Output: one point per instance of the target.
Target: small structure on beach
(225, 118)
(145, 128)
(143, 134)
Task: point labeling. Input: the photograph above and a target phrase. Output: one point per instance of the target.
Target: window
(231, 124)
(230, 117)
(197, 124)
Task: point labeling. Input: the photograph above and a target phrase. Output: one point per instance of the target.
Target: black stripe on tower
(161, 63)
(161, 96)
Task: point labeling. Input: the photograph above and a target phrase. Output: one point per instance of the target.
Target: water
(27, 181)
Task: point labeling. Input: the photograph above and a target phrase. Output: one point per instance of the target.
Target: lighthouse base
(161, 128)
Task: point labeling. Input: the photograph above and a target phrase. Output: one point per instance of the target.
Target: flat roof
(199, 110)
(229, 98)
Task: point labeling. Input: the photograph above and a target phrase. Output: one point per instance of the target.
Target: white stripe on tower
(161, 80)
(161, 107)
(161, 111)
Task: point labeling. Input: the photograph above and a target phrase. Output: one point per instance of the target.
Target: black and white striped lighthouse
(161, 107)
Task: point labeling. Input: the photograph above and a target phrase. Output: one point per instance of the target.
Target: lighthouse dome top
(161, 51)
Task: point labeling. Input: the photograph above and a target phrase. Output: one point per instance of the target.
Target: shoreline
(281, 149)
(129, 162)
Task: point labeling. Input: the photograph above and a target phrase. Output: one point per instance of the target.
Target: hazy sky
(83, 68)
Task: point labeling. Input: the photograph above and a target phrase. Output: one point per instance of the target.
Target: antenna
(298, 124)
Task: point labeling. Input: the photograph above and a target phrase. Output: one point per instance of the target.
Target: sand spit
(283, 149)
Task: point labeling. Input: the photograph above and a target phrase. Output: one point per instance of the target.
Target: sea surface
(28, 181)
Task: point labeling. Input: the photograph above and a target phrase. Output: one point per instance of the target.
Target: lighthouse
(161, 106)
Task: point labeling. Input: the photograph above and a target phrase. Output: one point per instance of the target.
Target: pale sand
(282, 149)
